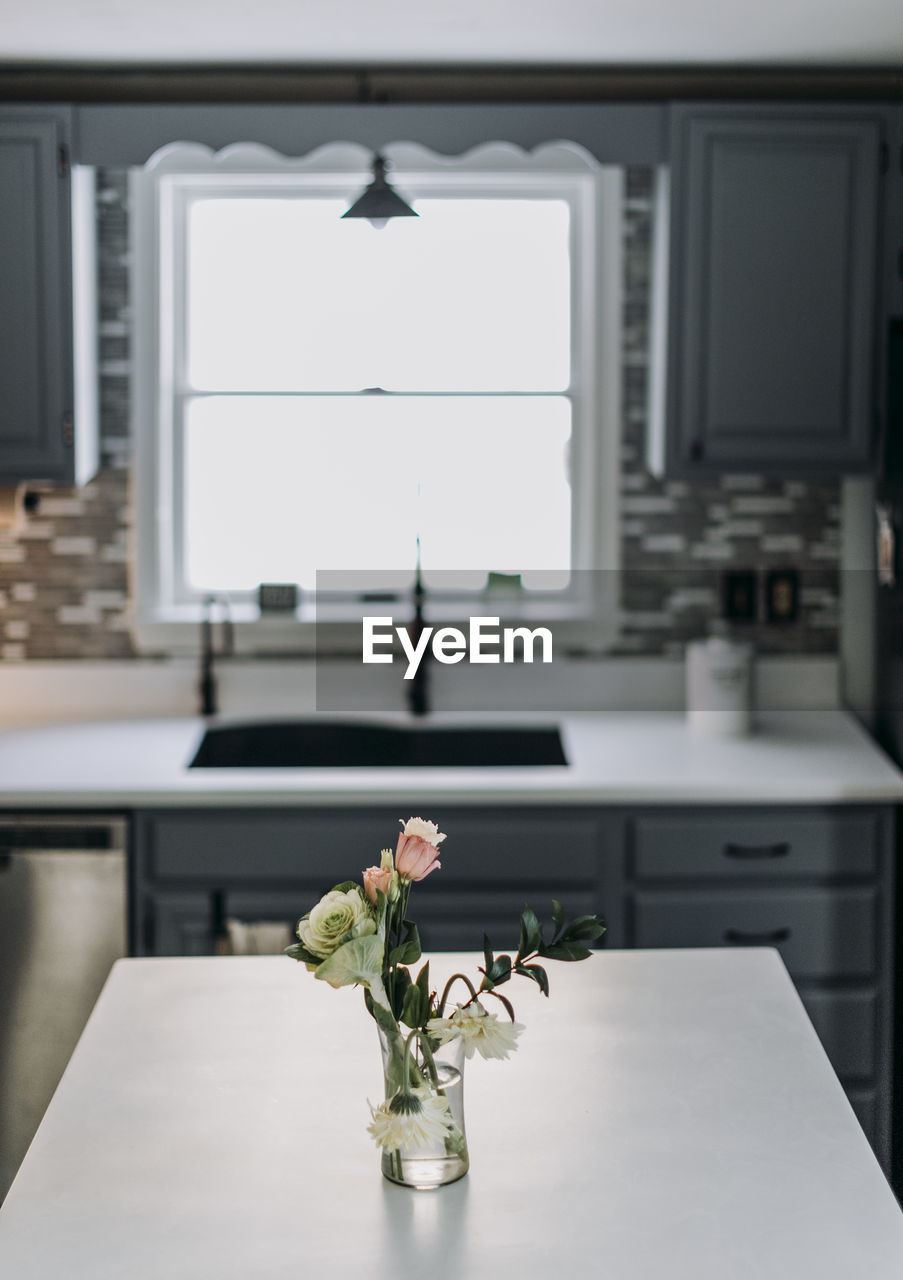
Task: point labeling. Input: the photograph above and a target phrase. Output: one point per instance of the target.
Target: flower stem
(456, 977)
(406, 1062)
(430, 1062)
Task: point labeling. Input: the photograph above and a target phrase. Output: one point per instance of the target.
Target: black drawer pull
(780, 850)
(754, 938)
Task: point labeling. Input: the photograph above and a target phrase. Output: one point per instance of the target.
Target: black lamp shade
(380, 201)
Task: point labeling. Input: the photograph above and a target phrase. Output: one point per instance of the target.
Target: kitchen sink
(309, 744)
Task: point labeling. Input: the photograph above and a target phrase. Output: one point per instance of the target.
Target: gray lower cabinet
(767, 288)
(816, 883)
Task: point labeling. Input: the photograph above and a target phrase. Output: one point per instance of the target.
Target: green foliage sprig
(567, 943)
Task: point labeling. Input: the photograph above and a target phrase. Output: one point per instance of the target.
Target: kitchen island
(666, 1113)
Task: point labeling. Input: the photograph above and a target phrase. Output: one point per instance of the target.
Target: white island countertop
(665, 1114)
(793, 757)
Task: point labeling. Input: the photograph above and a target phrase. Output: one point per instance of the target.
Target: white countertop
(793, 757)
(666, 1114)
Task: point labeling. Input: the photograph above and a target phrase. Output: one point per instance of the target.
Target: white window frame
(164, 619)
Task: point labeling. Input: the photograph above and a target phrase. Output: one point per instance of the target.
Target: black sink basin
(306, 744)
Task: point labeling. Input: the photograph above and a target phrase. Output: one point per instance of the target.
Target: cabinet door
(176, 924)
(821, 933)
(774, 224)
(36, 387)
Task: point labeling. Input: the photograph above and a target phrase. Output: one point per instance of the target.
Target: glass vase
(434, 1071)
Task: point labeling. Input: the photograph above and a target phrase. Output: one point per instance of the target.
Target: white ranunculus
(479, 1031)
(335, 915)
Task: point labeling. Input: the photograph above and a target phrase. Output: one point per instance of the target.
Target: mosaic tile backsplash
(64, 582)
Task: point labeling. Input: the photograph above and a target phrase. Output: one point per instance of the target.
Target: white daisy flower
(480, 1031)
(416, 1119)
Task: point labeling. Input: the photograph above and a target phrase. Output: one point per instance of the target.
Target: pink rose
(415, 853)
(377, 880)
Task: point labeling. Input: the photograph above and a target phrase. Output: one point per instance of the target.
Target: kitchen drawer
(447, 919)
(847, 1025)
(323, 848)
(750, 845)
(186, 923)
(820, 933)
(217, 847)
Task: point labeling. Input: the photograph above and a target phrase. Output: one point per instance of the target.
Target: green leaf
(564, 951)
(415, 1009)
(381, 1015)
(389, 1028)
(358, 961)
(487, 952)
(359, 930)
(530, 932)
(557, 918)
(584, 929)
(537, 973)
(509, 1007)
(500, 970)
(298, 952)
(401, 987)
(423, 982)
(408, 950)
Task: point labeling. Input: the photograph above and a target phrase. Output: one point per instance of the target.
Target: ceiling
(805, 33)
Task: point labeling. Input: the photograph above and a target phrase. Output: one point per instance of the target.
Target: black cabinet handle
(750, 851)
(754, 938)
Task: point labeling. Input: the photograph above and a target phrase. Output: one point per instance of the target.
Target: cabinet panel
(178, 924)
(820, 933)
(320, 847)
(35, 314)
(846, 1022)
(773, 287)
(744, 845)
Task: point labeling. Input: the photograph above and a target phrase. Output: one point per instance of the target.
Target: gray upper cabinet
(37, 356)
(767, 325)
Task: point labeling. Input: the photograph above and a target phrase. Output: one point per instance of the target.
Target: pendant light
(379, 202)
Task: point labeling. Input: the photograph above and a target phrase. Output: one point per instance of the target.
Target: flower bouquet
(360, 933)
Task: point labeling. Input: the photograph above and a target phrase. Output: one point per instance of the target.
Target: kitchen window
(315, 399)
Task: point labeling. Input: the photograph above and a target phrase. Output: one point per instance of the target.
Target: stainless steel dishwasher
(62, 924)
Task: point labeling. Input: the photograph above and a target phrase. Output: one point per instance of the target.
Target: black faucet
(418, 685)
(207, 681)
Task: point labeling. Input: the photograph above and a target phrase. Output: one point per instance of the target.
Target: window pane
(279, 487)
(474, 295)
